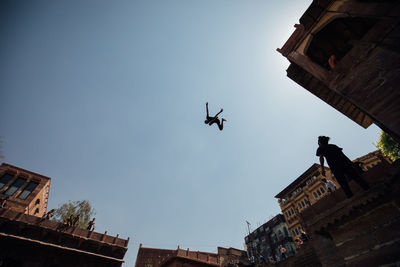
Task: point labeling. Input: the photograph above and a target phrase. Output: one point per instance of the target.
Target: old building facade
(29, 239)
(303, 192)
(363, 230)
(23, 190)
(263, 243)
(347, 53)
(156, 257)
(309, 188)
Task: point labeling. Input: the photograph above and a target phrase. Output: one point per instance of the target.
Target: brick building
(370, 160)
(30, 241)
(303, 192)
(24, 191)
(347, 53)
(27, 239)
(155, 257)
(308, 189)
(267, 238)
(363, 230)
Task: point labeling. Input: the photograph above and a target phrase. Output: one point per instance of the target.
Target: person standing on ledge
(339, 164)
(211, 120)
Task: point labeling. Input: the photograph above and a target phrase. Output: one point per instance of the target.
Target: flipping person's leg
(220, 124)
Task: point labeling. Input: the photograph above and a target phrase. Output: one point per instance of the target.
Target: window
(14, 187)
(28, 189)
(280, 233)
(322, 190)
(292, 210)
(5, 179)
(299, 205)
(37, 201)
(285, 231)
(36, 211)
(319, 193)
(332, 41)
(297, 231)
(315, 195)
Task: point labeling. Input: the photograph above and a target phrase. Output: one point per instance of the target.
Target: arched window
(336, 39)
(315, 195)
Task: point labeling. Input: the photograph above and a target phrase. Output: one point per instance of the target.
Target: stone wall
(363, 230)
(27, 240)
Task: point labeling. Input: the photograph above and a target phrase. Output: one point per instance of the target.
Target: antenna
(248, 226)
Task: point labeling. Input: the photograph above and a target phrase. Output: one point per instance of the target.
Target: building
(155, 257)
(232, 257)
(24, 191)
(263, 243)
(308, 189)
(27, 238)
(347, 53)
(304, 191)
(152, 257)
(363, 230)
(370, 160)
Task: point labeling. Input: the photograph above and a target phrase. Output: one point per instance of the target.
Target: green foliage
(388, 146)
(83, 208)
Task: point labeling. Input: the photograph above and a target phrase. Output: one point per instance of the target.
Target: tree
(74, 208)
(388, 146)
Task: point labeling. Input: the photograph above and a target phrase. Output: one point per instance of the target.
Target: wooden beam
(310, 66)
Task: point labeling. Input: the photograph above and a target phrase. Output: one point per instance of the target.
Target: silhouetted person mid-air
(211, 120)
(340, 165)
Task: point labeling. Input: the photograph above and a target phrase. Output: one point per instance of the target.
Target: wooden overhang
(317, 84)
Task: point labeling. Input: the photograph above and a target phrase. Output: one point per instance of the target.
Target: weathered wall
(363, 230)
(21, 253)
(364, 84)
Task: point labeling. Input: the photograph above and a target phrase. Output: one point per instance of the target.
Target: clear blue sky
(108, 99)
